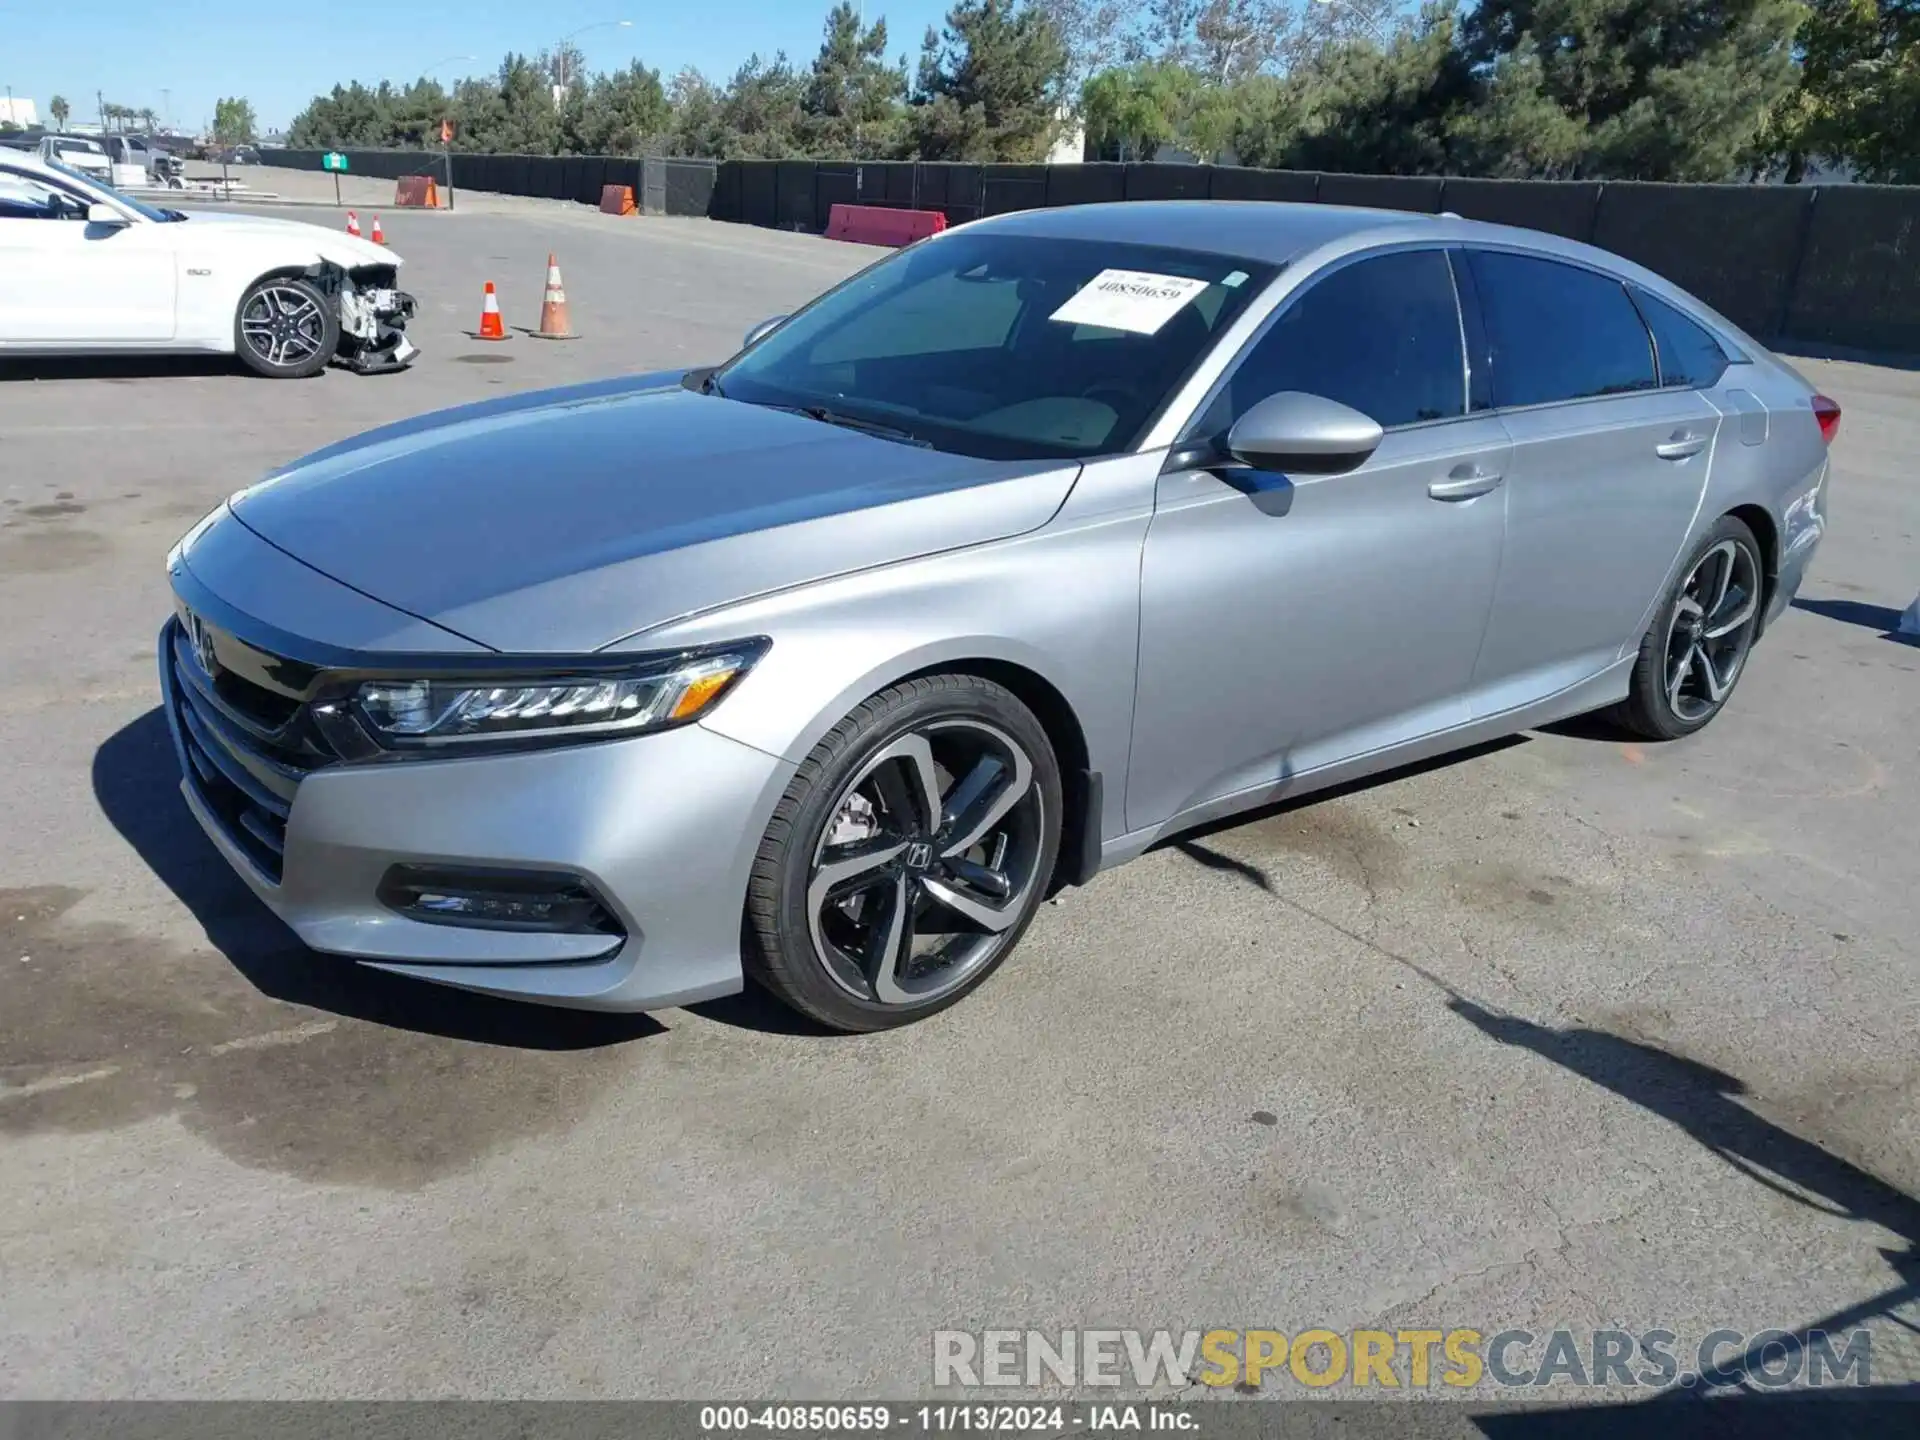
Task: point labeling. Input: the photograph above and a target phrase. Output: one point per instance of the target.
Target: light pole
(560, 51)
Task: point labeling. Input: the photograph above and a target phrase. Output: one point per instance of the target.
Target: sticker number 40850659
(1133, 300)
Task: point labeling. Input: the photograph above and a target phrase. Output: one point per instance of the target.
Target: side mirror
(101, 213)
(762, 330)
(1306, 434)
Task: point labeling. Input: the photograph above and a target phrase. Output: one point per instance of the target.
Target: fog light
(485, 899)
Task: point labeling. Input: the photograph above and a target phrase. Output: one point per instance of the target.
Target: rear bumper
(664, 827)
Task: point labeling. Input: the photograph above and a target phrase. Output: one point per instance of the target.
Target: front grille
(247, 748)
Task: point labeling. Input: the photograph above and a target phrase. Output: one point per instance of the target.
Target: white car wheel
(286, 329)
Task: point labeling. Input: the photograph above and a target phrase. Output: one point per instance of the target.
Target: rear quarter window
(1690, 358)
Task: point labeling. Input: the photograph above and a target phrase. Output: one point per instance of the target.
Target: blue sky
(180, 56)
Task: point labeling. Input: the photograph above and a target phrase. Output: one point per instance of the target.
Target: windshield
(93, 183)
(1002, 346)
(78, 147)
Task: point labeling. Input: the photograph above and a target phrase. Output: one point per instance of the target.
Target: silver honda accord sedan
(1022, 549)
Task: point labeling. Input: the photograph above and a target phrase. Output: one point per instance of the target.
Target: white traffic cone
(353, 224)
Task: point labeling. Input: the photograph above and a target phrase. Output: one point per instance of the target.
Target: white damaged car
(86, 270)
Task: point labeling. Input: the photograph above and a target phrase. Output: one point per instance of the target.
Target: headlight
(404, 713)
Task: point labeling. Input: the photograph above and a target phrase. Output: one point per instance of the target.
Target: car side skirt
(1597, 691)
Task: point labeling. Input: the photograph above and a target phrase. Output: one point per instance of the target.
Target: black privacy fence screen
(1828, 265)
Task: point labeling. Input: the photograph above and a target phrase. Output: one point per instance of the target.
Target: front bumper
(664, 827)
(373, 330)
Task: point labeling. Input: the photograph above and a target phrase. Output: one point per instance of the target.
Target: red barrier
(417, 191)
(879, 225)
(617, 200)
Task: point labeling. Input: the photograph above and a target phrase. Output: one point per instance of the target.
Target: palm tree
(147, 118)
(59, 109)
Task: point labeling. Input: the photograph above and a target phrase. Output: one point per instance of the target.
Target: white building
(1069, 148)
(19, 112)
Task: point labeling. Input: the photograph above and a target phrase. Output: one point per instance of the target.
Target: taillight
(1827, 413)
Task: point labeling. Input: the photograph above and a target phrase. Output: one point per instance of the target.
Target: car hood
(573, 520)
(342, 249)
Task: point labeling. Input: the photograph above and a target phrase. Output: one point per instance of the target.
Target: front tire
(1696, 649)
(286, 329)
(908, 856)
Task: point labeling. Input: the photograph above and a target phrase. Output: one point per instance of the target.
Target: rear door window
(1558, 332)
(1690, 358)
(1381, 335)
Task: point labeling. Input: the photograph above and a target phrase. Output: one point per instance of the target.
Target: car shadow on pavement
(118, 367)
(1883, 618)
(136, 781)
(1191, 843)
(1705, 1103)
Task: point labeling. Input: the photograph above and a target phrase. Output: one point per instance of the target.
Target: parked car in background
(1026, 548)
(236, 155)
(86, 270)
(78, 152)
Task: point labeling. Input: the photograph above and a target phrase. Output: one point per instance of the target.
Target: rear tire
(908, 855)
(1696, 650)
(285, 329)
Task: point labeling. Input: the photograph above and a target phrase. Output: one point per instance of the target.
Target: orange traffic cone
(353, 223)
(378, 236)
(492, 327)
(553, 308)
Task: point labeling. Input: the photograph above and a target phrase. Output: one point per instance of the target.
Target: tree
(59, 109)
(1095, 33)
(618, 114)
(760, 114)
(852, 96)
(1857, 98)
(991, 83)
(1368, 108)
(1664, 89)
(696, 127)
(1219, 40)
(233, 121)
(1130, 113)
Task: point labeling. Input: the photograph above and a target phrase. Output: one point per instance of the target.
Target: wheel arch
(1760, 521)
(1080, 825)
(314, 272)
(804, 679)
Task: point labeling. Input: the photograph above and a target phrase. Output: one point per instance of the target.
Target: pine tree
(1665, 89)
(1857, 100)
(853, 95)
(991, 84)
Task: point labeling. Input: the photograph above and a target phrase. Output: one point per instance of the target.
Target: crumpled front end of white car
(373, 319)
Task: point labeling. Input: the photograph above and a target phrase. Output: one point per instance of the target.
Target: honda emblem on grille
(201, 639)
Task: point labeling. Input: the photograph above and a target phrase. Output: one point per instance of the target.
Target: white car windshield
(78, 147)
(91, 184)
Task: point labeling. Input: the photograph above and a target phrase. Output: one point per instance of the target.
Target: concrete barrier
(879, 225)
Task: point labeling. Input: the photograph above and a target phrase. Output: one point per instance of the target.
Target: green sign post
(335, 161)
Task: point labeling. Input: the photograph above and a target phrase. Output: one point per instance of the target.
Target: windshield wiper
(854, 422)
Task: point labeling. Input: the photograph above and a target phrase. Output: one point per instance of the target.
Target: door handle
(1681, 447)
(1465, 482)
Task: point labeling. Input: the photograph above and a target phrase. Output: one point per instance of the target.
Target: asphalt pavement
(1566, 1031)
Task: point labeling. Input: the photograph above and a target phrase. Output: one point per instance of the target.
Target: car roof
(1278, 231)
(1267, 230)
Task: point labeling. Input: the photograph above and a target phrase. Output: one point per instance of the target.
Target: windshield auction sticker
(1128, 300)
